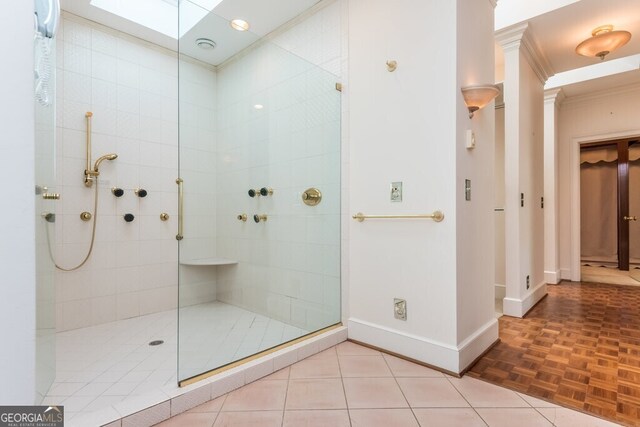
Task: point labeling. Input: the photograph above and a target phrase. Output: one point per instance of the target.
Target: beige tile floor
(350, 385)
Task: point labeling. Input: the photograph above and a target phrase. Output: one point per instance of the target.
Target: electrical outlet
(400, 309)
(528, 282)
(522, 200)
(467, 190)
(396, 191)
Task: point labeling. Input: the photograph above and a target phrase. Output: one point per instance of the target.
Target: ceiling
(262, 15)
(557, 33)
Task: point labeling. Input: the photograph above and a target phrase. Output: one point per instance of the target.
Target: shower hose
(93, 235)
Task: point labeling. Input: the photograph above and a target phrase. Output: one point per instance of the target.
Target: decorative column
(552, 100)
(526, 71)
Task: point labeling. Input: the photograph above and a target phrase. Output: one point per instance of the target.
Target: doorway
(609, 205)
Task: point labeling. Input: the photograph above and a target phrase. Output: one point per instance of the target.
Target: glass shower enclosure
(259, 194)
(44, 55)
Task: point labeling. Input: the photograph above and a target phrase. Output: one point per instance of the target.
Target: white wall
(593, 117)
(409, 126)
(289, 266)
(17, 252)
(475, 231)
(132, 89)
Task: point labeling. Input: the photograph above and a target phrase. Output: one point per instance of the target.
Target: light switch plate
(396, 191)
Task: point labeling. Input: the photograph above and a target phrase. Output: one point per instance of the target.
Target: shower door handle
(180, 234)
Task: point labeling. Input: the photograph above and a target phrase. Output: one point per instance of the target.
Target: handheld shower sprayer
(90, 176)
(111, 156)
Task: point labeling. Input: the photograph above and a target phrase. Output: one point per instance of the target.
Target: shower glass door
(45, 209)
(260, 174)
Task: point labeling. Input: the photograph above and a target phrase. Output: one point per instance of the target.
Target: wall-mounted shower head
(111, 156)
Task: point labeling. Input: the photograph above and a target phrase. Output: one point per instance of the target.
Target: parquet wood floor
(579, 348)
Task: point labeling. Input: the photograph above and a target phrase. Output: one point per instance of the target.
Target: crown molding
(516, 37)
(554, 96)
(621, 90)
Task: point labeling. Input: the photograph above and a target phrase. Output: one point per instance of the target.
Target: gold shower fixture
(91, 173)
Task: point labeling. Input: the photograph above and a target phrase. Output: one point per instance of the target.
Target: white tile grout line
(400, 388)
(286, 393)
(344, 392)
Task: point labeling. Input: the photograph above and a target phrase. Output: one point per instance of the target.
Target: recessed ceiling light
(206, 44)
(239, 24)
(258, 106)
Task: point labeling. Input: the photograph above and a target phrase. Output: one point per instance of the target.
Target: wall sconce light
(477, 96)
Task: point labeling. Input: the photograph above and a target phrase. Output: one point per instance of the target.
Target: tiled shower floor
(106, 364)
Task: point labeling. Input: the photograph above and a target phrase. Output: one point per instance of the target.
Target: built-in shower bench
(208, 261)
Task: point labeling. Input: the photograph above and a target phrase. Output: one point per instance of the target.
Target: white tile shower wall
(289, 266)
(132, 89)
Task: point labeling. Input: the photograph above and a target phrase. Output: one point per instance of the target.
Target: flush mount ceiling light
(239, 24)
(258, 106)
(603, 41)
(477, 96)
(206, 44)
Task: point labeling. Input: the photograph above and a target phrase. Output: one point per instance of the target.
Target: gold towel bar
(437, 216)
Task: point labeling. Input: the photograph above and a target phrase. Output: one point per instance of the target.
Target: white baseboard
(500, 291)
(519, 307)
(565, 274)
(440, 355)
(552, 277)
(476, 344)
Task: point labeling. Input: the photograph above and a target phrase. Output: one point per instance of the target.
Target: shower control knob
(118, 192)
(129, 217)
(264, 191)
(257, 218)
(253, 193)
(140, 192)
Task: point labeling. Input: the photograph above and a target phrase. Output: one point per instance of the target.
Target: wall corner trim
(476, 344)
(519, 307)
(552, 277)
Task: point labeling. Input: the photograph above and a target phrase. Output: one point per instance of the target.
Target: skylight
(163, 17)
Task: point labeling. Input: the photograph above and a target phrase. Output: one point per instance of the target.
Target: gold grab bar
(180, 234)
(437, 216)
